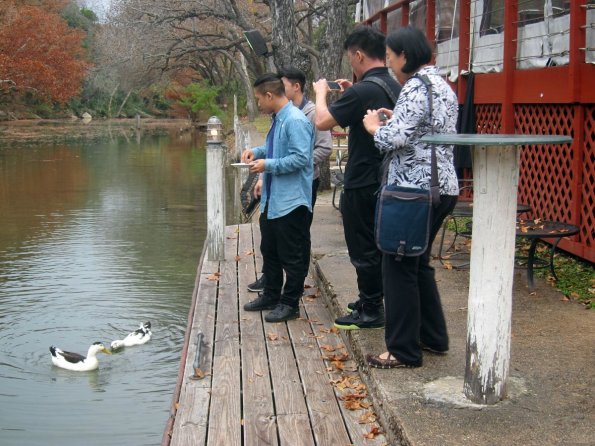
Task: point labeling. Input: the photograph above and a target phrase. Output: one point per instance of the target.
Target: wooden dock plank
(319, 315)
(292, 419)
(190, 424)
(265, 383)
(225, 416)
(257, 403)
(323, 408)
(227, 337)
(225, 421)
(295, 430)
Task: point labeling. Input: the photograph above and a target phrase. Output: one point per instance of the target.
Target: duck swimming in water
(76, 362)
(138, 337)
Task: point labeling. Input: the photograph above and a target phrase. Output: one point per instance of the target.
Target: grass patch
(576, 278)
(262, 124)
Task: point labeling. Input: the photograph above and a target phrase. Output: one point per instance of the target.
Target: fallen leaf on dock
(375, 431)
(367, 418)
(214, 276)
(353, 396)
(356, 405)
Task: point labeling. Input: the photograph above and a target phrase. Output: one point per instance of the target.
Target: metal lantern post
(215, 190)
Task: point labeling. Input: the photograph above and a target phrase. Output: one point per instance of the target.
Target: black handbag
(249, 202)
(403, 214)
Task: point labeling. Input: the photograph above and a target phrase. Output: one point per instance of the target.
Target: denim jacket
(291, 166)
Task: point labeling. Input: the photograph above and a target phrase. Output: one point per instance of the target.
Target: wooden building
(532, 65)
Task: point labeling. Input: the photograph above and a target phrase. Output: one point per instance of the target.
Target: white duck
(76, 362)
(138, 337)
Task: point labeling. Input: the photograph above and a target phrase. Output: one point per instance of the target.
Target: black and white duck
(139, 336)
(78, 362)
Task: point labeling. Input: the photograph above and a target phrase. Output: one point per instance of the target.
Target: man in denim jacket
(286, 199)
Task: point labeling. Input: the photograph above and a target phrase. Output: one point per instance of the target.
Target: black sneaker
(282, 313)
(257, 286)
(357, 305)
(361, 319)
(262, 302)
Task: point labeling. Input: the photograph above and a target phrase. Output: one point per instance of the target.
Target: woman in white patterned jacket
(414, 315)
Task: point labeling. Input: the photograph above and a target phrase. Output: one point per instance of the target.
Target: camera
(334, 85)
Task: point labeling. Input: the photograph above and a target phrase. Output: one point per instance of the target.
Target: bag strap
(384, 86)
(434, 186)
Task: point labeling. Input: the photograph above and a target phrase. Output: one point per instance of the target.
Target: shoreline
(60, 130)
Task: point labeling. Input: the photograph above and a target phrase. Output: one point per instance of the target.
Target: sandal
(389, 363)
(432, 350)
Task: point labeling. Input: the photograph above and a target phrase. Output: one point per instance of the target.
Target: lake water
(96, 237)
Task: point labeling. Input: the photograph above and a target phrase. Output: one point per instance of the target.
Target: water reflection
(94, 239)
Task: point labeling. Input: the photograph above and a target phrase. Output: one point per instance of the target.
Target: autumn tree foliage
(39, 53)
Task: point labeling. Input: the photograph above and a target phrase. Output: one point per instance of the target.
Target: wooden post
(215, 191)
(492, 270)
(489, 308)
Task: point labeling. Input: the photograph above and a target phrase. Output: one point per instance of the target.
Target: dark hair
(270, 82)
(414, 43)
(295, 75)
(368, 40)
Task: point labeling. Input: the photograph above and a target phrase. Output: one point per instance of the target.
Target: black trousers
(308, 246)
(282, 245)
(358, 207)
(412, 304)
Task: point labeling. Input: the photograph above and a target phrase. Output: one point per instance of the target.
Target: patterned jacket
(410, 164)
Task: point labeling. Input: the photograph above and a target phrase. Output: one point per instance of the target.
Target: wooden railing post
(215, 190)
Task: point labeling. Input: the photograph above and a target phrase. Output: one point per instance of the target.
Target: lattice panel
(546, 175)
(588, 197)
(488, 118)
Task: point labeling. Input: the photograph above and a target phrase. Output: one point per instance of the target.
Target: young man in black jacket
(375, 88)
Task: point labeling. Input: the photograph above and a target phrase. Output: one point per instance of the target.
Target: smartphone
(333, 85)
(383, 117)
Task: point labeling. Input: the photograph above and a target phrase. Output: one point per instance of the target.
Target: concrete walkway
(552, 382)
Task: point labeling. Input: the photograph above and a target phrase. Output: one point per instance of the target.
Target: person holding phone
(286, 199)
(294, 81)
(375, 88)
(414, 316)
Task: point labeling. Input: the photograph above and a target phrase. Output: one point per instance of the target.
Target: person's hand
(320, 87)
(374, 119)
(258, 189)
(257, 166)
(247, 156)
(345, 83)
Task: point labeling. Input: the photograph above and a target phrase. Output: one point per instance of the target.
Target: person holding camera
(414, 316)
(374, 89)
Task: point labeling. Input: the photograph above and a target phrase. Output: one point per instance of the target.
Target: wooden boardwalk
(265, 384)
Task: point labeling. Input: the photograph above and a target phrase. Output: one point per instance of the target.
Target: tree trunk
(109, 104)
(286, 48)
(331, 56)
(123, 103)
